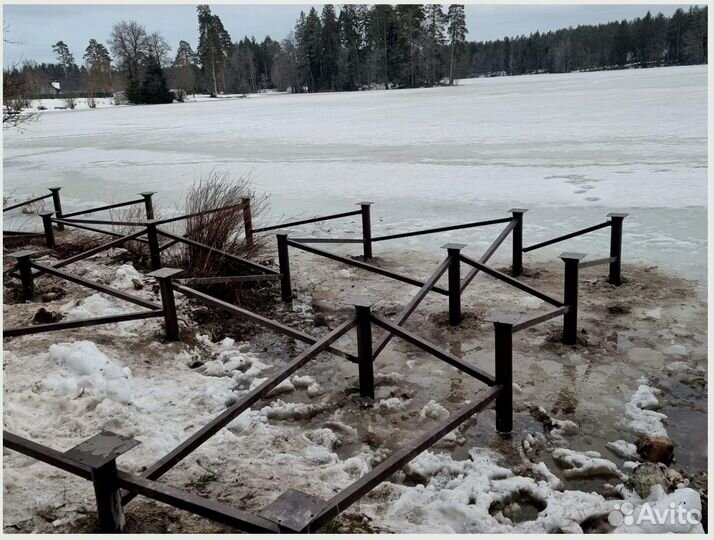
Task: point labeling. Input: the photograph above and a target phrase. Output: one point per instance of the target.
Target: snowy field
(571, 147)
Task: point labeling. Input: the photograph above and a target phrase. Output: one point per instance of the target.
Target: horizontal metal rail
(512, 281)
(488, 253)
(399, 459)
(21, 233)
(597, 262)
(328, 240)
(213, 510)
(96, 286)
(18, 205)
(567, 236)
(214, 426)
(98, 249)
(198, 214)
(306, 221)
(177, 498)
(442, 229)
(102, 208)
(240, 260)
(257, 319)
(45, 454)
(80, 323)
(103, 222)
(167, 245)
(432, 349)
(522, 325)
(92, 229)
(403, 315)
(220, 280)
(364, 266)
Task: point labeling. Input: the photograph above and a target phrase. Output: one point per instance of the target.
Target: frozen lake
(571, 147)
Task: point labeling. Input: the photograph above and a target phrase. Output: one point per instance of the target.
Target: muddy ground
(652, 326)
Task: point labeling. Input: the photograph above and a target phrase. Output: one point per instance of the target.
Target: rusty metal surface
(96, 286)
(258, 319)
(99, 450)
(306, 221)
(365, 266)
(45, 454)
(441, 229)
(102, 208)
(293, 510)
(432, 349)
(81, 323)
(488, 253)
(240, 260)
(567, 236)
(512, 281)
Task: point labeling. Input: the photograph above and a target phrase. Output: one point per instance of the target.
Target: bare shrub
(91, 103)
(222, 230)
(180, 95)
(70, 102)
(120, 98)
(135, 213)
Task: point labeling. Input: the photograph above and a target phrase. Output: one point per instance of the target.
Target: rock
(656, 449)
(138, 285)
(645, 477)
(45, 317)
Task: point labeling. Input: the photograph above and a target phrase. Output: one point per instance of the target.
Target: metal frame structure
(294, 511)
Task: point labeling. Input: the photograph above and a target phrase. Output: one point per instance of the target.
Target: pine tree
(435, 21)
(214, 46)
(98, 62)
(457, 34)
(64, 57)
(329, 47)
(185, 67)
(153, 88)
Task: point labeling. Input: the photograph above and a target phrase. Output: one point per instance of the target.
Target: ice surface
(572, 147)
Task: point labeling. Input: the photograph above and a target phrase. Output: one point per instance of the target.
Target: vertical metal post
(286, 289)
(616, 219)
(363, 307)
(503, 326)
(148, 203)
(100, 453)
(366, 229)
(168, 302)
(570, 296)
(454, 277)
(49, 230)
(58, 205)
(154, 252)
(247, 222)
(517, 241)
(23, 266)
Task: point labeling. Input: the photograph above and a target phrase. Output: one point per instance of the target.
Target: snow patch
(86, 368)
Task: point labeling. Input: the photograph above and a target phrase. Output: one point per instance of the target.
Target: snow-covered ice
(572, 147)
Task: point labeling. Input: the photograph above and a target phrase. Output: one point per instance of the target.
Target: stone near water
(645, 477)
(656, 449)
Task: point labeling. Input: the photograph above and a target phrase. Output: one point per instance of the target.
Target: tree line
(356, 47)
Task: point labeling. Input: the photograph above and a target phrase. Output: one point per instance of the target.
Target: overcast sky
(32, 29)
